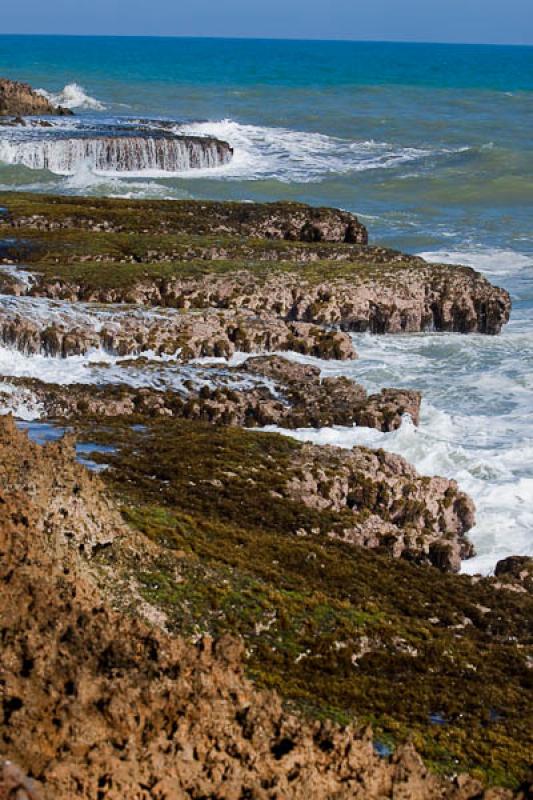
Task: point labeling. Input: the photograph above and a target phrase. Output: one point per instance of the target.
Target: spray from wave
(263, 153)
(73, 96)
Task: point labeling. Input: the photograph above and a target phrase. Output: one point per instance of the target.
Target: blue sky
(398, 20)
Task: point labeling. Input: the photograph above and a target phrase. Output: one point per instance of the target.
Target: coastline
(248, 456)
(337, 568)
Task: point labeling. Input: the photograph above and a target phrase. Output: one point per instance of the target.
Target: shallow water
(45, 433)
(429, 144)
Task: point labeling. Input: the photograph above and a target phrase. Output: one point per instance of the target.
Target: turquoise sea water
(430, 144)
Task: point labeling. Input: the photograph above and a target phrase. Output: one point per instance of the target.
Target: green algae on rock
(240, 255)
(127, 708)
(339, 631)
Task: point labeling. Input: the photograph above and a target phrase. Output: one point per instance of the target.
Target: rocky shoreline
(337, 569)
(125, 703)
(213, 280)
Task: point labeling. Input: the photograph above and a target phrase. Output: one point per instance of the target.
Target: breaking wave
(260, 153)
(110, 155)
(263, 153)
(73, 96)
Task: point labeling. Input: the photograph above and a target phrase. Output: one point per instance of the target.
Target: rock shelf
(223, 612)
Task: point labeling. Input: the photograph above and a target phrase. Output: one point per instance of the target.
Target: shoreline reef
(222, 611)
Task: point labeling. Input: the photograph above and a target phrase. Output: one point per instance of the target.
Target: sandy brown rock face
(70, 501)
(96, 704)
(19, 99)
(15, 784)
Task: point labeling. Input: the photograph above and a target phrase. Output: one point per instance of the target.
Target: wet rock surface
(190, 334)
(294, 396)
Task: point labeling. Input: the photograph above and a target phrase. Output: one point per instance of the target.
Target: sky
(476, 21)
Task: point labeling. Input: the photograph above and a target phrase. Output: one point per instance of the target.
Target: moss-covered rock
(340, 631)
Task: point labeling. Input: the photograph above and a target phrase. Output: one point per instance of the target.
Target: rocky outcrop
(72, 507)
(191, 335)
(515, 573)
(420, 519)
(278, 221)
(321, 402)
(371, 499)
(19, 99)
(408, 298)
(98, 704)
(292, 396)
(260, 257)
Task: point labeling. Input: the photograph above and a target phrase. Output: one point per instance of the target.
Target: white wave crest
(476, 423)
(73, 96)
(491, 261)
(262, 153)
(115, 155)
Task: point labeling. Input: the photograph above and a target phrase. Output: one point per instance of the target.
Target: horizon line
(338, 40)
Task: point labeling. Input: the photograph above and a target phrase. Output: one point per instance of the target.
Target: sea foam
(263, 152)
(476, 423)
(73, 96)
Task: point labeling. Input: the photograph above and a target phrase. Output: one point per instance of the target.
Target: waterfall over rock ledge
(124, 153)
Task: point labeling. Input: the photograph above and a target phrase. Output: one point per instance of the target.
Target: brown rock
(280, 221)
(192, 334)
(99, 704)
(419, 297)
(293, 396)
(20, 99)
(420, 519)
(516, 572)
(15, 785)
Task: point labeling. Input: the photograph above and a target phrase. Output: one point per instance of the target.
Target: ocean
(429, 144)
